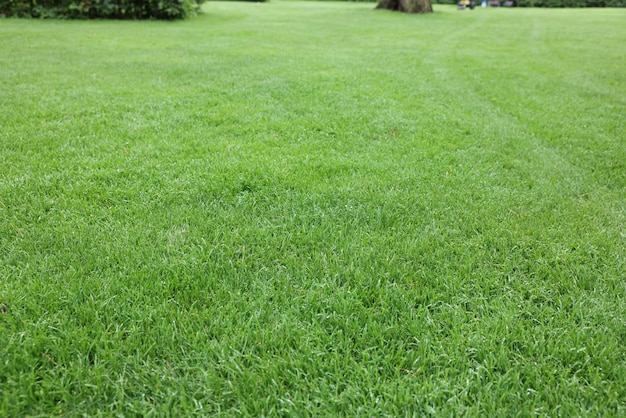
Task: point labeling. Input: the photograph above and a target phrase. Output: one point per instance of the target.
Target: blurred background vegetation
(181, 9)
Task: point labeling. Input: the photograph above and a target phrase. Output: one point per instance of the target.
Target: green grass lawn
(314, 209)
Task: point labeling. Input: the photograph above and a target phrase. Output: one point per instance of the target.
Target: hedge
(100, 9)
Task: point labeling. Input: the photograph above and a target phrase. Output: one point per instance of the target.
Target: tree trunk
(407, 6)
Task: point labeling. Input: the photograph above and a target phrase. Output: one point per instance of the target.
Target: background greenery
(542, 3)
(181, 9)
(107, 9)
(314, 209)
(571, 3)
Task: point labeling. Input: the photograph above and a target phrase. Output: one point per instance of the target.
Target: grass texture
(314, 209)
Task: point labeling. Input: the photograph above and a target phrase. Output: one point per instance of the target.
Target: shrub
(97, 9)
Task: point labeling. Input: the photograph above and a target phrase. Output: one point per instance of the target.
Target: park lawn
(314, 208)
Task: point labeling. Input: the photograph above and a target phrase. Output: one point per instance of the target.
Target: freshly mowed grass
(316, 209)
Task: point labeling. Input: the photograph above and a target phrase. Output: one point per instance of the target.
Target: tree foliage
(98, 9)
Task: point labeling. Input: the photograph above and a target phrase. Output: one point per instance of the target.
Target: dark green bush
(101, 9)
